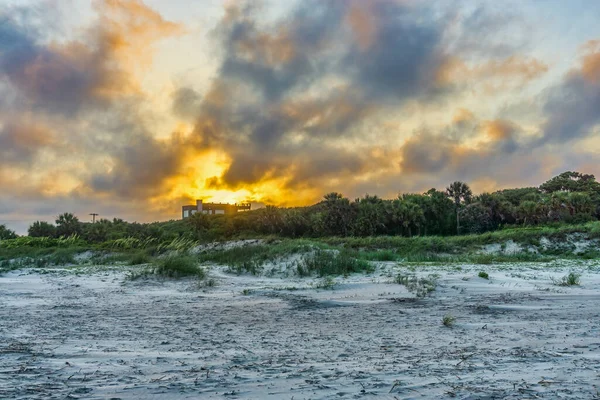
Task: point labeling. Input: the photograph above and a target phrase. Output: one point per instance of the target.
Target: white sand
(95, 336)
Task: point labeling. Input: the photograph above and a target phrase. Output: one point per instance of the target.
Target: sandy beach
(90, 333)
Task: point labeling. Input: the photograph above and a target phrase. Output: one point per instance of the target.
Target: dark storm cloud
(21, 142)
(573, 108)
(420, 156)
(85, 82)
(404, 56)
(445, 153)
(48, 79)
(186, 102)
(314, 75)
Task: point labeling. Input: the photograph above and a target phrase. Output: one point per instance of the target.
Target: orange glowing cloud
(127, 30)
(498, 130)
(362, 23)
(462, 115)
(272, 49)
(456, 71)
(591, 61)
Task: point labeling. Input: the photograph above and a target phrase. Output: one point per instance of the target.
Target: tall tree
(6, 233)
(41, 229)
(571, 181)
(460, 193)
(67, 224)
(370, 216)
(338, 214)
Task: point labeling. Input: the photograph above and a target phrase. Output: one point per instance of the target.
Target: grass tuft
(138, 258)
(326, 262)
(326, 283)
(420, 286)
(572, 279)
(448, 320)
(178, 266)
(382, 255)
(483, 274)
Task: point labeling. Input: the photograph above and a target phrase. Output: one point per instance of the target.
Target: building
(213, 208)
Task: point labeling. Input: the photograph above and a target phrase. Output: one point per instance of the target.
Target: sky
(131, 108)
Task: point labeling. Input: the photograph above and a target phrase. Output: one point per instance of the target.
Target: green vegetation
(328, 262)
(572, 279)
(381, 255)
(448, 321)
(484, 275)
(340, 236)
(326, 283)
(569, 198)
(139, 257)
(6, 233)
(178, 266)
(250, 258)
(420, 286)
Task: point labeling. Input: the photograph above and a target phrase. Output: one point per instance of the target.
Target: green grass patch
(327, 262)
(63, 256)
(572, 279)
(179, 266)
(435, 248)
(448, 321)
(483, 274)
(250, 258)
(421, 287)
(326, 282)
(138, 258)
(381, 255)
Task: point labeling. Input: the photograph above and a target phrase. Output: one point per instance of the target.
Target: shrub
(483, 274)
(382, 255)
(139, 258)
(179, 266)
(448, 320)
(6, 233)
(63, 256)
(325, 262)
(326, 283)
(420, 286)
(569, 280)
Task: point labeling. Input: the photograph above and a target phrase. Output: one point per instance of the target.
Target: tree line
(570, 197)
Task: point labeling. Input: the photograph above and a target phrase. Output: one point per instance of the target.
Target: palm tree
(459, 192)
(67, 224)
(529, 211)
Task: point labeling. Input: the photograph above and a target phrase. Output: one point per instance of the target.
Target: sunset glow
(132, 108)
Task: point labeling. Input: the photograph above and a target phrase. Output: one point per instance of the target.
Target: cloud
(572, 106)
(324, 95)
(68, 77)
(590, 68)
(495, 74)
(85, 95)
(21, 142)
(286, 92)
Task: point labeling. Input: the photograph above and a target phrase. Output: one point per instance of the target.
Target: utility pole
(94, 217)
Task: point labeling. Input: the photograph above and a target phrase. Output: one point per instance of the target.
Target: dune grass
(250, 258)
(420, 286)
(423, 246)
(328, 262)
(354, 253)
(178, 266)
(139, 257)
(572, 279)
